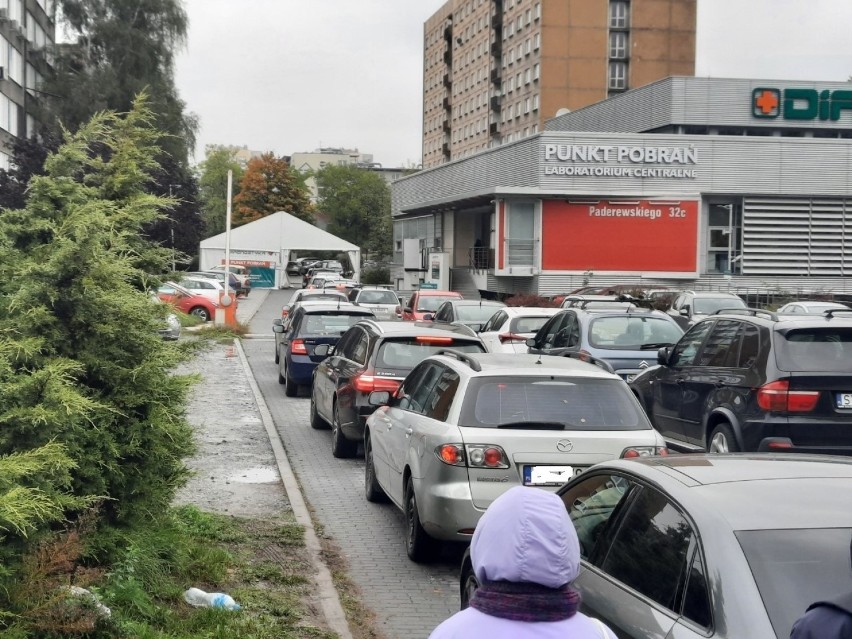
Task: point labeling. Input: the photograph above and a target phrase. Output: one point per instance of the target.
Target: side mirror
(428, 317)
(379, 398)
(323, 350)
(530, 341)
(277, 328)
(476, 327)
(277, 322)
(685, 311)
(663, 355)
(408, 309)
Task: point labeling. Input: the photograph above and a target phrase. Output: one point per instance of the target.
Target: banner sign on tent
(261, 277)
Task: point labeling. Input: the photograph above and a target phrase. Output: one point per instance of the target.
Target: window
(696, 597)
(617, 45)
(439, 402)
(535, 103)
(686, 349)
(569, 333)
(537, 41)
(528, 46)
(719, 349)
(618, 75)
(749, 346)
(590, 505)
(420, 393)
(649, 550)
(618, 14)
(536, 71)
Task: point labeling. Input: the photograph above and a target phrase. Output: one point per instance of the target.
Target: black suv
(689, 307)
(752, 380)
(373, 356)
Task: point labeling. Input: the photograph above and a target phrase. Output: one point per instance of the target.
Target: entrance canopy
(267, 243)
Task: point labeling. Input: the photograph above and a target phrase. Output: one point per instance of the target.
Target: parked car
(243, 276)
(170, 330)
(372, 355)
(752, 380)
(325, 266)
(508, 330)
(471, 313)
(312, 294)
(810, 308)
(309, 326)
(721, 546)
(294, 267)
(464, 427)
(206, 286)
(583, 300)
(284, 322)
(627, 338)
(187, 301)
(324, 280)
(233, 280)
(425, 301)
(689, 306)
(383, 302)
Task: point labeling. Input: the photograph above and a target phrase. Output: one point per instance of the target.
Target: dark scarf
(525, 601)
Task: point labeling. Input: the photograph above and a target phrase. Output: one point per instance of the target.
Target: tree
(269, 185)
(358, 203)
(213, 185)
(28, 160)
(81, 362)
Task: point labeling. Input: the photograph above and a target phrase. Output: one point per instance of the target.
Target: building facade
(27, 37)
(691, 182)
(495, 70)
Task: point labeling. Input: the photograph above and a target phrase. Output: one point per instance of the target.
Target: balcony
(495, 103)
(446, 126)
(494, 128)
(497, 48)
(446, 104)
(448, 57)
(496, 76)
(447, 81)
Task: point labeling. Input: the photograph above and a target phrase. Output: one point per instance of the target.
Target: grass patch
(221, 332)
(261, 564)
(187, 320)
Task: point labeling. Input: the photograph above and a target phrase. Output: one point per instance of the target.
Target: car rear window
(527, 324)
(575, 402)
(631, 332)
(432, 302)
(794, 568)
(408, 352)
(818, 349)
(475, 313)
(333, 323)
(709, 305)
(378, 297)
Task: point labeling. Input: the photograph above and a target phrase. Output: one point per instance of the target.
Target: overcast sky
(293, 75)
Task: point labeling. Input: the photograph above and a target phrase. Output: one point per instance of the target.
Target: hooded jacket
(830, 619)
(524, 536)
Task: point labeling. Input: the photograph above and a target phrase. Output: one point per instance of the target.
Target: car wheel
(372, 491)
(341, 447)
(418, 544)
(317, 422)
(469, 585)
(201, 313)
(722, 440)
(291, 389)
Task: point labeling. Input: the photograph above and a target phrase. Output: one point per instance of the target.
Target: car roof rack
(829, 312)
(590, 359)
(753, 312)
(462, 357)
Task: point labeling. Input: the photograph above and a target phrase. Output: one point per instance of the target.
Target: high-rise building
(27, 36)
(495, 70)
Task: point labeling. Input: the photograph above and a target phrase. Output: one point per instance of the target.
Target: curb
(326, 592)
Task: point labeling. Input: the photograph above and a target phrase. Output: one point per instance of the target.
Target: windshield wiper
(535, 425)
(648, 347)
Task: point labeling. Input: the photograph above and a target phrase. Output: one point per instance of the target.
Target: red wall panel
(605, 235)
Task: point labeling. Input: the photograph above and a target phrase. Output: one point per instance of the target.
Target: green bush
(375, 276)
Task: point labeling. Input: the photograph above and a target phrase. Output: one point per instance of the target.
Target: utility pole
(172, 229)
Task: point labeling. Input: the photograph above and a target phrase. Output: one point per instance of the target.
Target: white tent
(265, 246)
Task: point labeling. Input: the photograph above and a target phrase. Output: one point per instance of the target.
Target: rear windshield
(378, 297)
(632, 332)
(432, 302)
(709, 305)
(475, 313)
(794, 568)
(527, 324)
(408, 352)
(576, 403)
(821, 349)
(330, 323)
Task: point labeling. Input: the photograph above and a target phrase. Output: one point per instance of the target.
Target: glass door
(724, 237)
(520, 236)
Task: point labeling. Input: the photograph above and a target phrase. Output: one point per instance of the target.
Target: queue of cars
(591, 400)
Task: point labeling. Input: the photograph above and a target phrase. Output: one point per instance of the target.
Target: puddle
(255, 476)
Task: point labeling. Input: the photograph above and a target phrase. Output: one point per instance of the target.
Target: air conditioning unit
(4, 15)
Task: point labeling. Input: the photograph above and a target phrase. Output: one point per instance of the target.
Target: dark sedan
(726, 546)
(309, 327)
(373, 356)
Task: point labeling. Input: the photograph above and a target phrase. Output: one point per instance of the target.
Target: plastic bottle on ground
(200, 599)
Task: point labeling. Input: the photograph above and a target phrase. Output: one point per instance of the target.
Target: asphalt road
(409, 599)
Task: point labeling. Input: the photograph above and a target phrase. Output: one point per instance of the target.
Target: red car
(188, 302)
(426, 301)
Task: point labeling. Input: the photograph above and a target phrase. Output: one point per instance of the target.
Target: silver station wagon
(464, 427)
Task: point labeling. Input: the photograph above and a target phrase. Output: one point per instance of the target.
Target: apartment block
(27, 37)
(495, 70)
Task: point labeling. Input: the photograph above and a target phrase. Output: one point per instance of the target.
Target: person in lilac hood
(525, 554)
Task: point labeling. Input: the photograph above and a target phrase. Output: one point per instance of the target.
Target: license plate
(844, 400)
(549, 475)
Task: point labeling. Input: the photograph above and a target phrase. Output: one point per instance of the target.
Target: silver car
(383, 302)
(464, 427)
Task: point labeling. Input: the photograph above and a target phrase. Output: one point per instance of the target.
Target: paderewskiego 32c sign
(800, 104)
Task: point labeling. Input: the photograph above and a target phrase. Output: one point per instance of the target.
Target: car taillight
(477, 455)
(297, 347)
(367, 383)
(635, 452)
(584, 355)
(777, 396)
(511, 337)
(429, 339)
(284, 313)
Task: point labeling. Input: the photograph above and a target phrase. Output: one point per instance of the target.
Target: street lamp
(172, 227)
